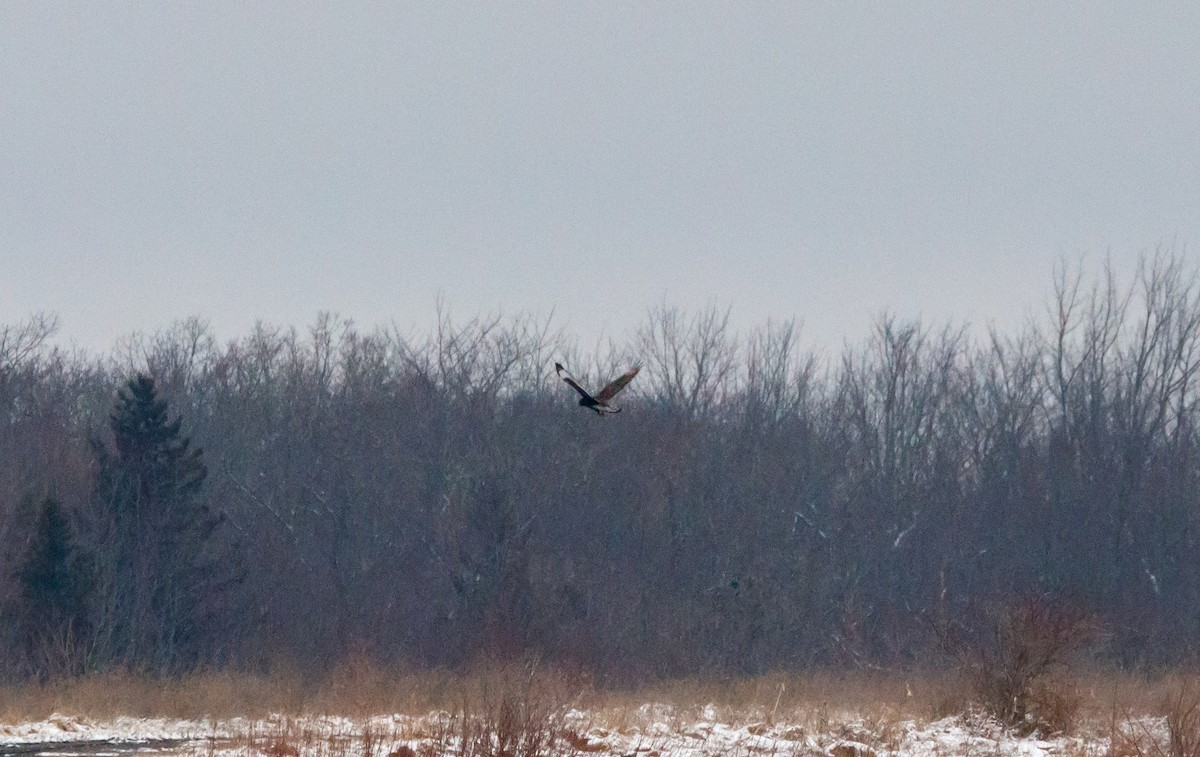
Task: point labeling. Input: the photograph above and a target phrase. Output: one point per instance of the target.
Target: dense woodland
(300, 498)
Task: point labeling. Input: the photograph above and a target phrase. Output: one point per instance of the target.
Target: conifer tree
(155, 565)
(53, 585)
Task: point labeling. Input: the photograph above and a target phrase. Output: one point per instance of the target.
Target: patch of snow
(60, 727)
(659, 730)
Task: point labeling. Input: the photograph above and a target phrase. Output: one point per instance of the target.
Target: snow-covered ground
(652, 731)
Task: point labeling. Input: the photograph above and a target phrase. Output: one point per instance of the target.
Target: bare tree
(688, 361)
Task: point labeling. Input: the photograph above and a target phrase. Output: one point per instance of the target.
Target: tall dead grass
(1172, 729)
(355, 689)
(519, 707)
(783, 697)
(215, 694)
(516, 711)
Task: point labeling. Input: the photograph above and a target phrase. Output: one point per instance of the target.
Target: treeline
(428, 500)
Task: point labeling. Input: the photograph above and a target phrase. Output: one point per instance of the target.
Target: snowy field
(651, 730)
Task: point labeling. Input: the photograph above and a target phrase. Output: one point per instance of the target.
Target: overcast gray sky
(255, 160)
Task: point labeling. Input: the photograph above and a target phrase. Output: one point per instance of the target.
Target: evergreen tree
(53, 585)
(156, 564)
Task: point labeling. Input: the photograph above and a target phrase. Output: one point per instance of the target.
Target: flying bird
(599, 402)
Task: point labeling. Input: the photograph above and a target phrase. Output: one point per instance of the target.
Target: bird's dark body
(591, 404)
(599, 403)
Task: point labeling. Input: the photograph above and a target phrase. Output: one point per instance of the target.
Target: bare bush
(1014, 656)
(516, 711)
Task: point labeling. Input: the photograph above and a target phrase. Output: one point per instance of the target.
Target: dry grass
(1172, 729)
(522, 707)
(352, 690)
(219, 694)
(779, 696)
(500, 711)
(517, 711)
(832, 710)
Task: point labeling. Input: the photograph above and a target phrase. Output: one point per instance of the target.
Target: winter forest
(303, 497)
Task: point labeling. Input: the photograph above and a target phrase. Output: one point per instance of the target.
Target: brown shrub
(1015, 656)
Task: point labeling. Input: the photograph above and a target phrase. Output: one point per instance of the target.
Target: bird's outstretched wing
(562, 373)
(617, 384)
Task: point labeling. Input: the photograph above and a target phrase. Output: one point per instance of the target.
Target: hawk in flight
(599, 402)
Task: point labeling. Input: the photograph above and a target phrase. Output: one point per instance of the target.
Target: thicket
(429, 500)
